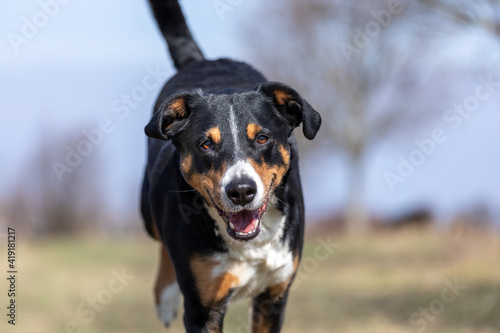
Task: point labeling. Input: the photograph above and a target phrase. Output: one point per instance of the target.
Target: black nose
(241, 192)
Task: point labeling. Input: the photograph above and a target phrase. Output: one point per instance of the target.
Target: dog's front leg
(200, 319)
(206, 297)
(268, 311)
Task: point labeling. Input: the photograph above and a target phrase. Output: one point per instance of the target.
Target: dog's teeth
(246, 233)
(231, 225)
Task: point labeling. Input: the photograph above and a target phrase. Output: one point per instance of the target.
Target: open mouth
(245, 224)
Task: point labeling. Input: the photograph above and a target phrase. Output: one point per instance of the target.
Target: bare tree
(355, 61)
(44, 204)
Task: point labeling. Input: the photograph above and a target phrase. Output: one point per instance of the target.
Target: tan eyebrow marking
(252, 130)
(214, 134)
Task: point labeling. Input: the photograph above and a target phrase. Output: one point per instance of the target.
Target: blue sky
(70, 72)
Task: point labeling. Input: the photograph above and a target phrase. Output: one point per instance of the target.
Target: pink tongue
(244, 221)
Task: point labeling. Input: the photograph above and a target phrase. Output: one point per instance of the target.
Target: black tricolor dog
(222, 190)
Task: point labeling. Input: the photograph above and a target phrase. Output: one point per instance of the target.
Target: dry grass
(371, 285)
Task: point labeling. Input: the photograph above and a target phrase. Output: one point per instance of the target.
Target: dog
(221, 190)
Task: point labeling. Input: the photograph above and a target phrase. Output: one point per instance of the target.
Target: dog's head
(234, 146)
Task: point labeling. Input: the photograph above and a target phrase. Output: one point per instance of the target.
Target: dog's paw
(169, 303)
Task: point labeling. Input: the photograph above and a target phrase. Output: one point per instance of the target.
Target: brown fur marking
(281, 97)
(295, 261)
(211, 290)
(252, 130)
(178, 107)
(156, 234)
(186, 164)
(166, 274)
(214, 135)
(285, 154)
(268, 173)
(279, 289)
(260, 324)
(207, 183)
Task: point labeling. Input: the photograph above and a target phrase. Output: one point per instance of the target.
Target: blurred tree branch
(41, 204)
(484, 14)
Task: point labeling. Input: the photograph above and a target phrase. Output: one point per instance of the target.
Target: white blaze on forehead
(238, 171)
(234, 127)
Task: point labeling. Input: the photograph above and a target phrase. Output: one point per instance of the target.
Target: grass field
(389, 282)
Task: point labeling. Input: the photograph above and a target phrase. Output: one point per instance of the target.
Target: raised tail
(183, 49)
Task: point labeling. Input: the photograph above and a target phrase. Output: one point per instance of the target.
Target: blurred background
(403, 176)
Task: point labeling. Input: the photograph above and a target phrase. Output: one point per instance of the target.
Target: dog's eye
(207, 145)
(262, 139)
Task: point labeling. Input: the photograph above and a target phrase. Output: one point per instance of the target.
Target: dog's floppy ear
(293, 107)
(171, 116)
